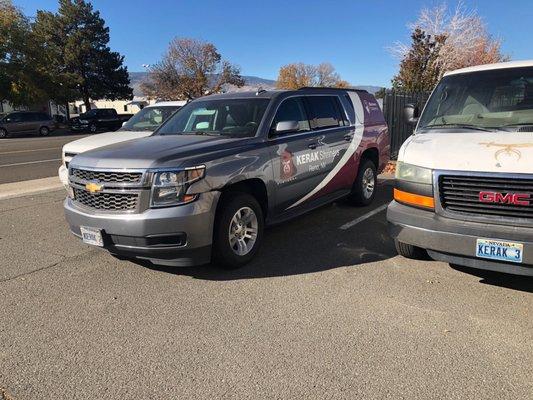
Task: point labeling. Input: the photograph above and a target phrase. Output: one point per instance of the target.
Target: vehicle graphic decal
(288, 169)
(347, 161)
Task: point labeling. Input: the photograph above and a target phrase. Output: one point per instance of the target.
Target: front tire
(238, 230)
(364, 187)
(410, 251)
(3, 133)
(44, 131)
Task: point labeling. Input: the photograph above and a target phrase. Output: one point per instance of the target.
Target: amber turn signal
(414, 199)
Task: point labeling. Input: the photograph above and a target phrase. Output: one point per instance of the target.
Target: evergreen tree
(78, 58)
(420, 68)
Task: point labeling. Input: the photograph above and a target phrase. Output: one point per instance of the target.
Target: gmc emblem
(518, 199)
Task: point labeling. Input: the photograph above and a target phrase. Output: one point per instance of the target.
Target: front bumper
(454, 241)
(175, 236)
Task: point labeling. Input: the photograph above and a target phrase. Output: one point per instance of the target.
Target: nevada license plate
(499, 250)
(91, 236)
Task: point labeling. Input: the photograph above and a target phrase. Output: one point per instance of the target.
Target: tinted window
(15, 117)
(324, 112)
(149, 119)
(292, 109)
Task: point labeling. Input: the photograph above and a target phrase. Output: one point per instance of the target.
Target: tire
(44, 131)
(364, 187)
(410, 251)
(93, 128)
(3, 133)
(231, 246)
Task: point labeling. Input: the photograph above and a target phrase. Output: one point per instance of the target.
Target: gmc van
(204, 185)
(464, 179)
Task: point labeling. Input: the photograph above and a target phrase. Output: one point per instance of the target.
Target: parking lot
(327, 310)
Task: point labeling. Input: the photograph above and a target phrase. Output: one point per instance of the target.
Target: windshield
(149, 118)
(495, 99)
(227, 117)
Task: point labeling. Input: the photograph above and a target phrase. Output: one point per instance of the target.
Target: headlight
(169, 188)
(412, 173)
(83, 121)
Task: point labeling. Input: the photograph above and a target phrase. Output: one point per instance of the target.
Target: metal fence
(393, 105)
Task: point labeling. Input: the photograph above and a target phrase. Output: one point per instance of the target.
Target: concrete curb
(26, 188)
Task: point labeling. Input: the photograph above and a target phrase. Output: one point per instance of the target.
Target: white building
(121, 106)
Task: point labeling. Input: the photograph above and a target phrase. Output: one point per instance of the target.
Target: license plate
(499, 250)
(91, 236)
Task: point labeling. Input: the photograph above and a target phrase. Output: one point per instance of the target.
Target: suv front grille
(107, 201)
(107, 177)
(462, 194)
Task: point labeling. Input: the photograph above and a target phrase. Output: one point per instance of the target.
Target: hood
(102, 139)
(501, 151)
(159, 152)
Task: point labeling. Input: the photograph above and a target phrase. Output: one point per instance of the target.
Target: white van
(142, 124)
(464, 179)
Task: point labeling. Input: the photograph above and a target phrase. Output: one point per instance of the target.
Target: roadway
(326, 310)
(31, 157)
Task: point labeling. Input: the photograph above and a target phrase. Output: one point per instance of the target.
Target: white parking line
(29, 151)
(29, 162)
(348, 225)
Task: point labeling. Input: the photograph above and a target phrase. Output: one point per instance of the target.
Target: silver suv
(24, 122)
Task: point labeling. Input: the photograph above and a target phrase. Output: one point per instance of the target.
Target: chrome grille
(107, 201)
(106, 176)
(461, 194)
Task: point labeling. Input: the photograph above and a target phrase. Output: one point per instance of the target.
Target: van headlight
(413, 173)
(169, 188)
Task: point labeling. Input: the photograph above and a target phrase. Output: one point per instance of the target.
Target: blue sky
(260, 36)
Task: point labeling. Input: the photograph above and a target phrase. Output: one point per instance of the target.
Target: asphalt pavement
(326, 311)
(31, 157)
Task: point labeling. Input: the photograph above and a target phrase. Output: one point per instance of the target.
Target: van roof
(269, 94)
(180, 103)
(488, 67)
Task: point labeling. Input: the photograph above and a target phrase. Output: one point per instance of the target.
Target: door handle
(348, 137)
(313, 146)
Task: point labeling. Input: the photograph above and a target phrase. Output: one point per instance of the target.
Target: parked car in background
(140, 125)
(26, 122)
(99, 119)
(203, 186)
(464, 180)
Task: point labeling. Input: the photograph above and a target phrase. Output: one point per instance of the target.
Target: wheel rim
(93, 128)
(44, 131)
(369, 183)
(242, 232)
(3, 133)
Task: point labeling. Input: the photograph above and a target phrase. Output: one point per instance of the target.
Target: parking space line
(356, 221)
(29, 151)
(29, 162)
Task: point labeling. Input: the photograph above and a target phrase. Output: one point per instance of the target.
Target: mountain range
(251, 83)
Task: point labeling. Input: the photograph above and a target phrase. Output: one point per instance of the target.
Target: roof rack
(333, 88)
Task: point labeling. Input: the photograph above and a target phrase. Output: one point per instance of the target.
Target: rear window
(324, 112)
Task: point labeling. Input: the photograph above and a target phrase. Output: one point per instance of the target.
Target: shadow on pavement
(308, 244)
(515, 282)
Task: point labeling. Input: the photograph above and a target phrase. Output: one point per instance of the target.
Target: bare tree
(294, 76)
(467, 40)
(190, 68)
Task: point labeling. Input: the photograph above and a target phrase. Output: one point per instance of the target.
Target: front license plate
(91, 236)
(499, 250)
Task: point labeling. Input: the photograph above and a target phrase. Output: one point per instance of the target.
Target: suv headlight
(84, 121)
(413, 173)
(169, 188)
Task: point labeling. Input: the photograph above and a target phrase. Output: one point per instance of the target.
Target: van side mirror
(411, 113)
(286, 127)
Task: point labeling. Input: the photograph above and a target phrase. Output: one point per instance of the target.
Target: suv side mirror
(286, 127)
(411, 113)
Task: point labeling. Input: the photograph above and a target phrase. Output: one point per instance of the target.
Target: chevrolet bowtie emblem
(93, 187)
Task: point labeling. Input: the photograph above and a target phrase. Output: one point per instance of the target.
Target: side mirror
(201, 126)
(411, 114)
(124, 123)
(286, 127)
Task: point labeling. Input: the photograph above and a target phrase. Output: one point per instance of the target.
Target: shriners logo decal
(288, 169)
(508, 149)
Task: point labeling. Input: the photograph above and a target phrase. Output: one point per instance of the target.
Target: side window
(292, 109)
(16, 117)
(324, 112)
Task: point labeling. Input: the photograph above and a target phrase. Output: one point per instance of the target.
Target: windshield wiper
(202, 133)
(461, 126)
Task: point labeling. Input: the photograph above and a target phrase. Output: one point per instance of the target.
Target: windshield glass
(149, 118)
(501, 98)
(227, 117)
